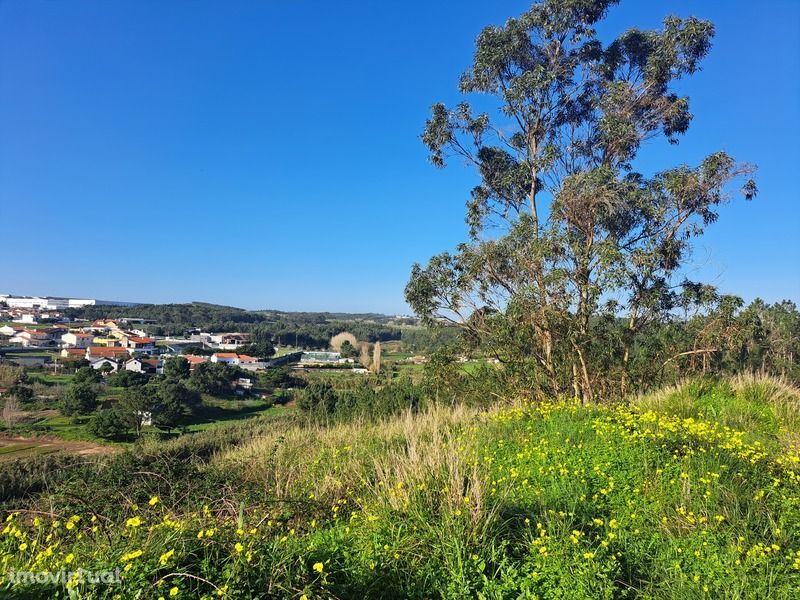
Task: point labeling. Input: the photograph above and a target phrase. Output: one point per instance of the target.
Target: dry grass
(342, 457)
(781, 396)
(746, 401)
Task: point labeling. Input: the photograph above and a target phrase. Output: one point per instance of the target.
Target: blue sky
(267, 154)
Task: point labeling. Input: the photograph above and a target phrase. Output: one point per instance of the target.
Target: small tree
(124, 378)
(87, 375)
(11, 411)
(108, 424)
(363, 356)
(259, 349)
(79, 399)
(376, 357)
(176, 367)
(136, 405)
(340, 339)
(214, 378)
(23, 393)
(348, 350)
(176, 404)
(105, 369)
(318, 397)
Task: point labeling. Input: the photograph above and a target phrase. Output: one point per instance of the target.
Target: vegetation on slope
(656, 499)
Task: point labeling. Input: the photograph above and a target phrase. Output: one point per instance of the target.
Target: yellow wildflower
(133, 522)
(131, 555)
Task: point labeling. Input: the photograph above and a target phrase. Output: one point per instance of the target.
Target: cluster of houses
(111, 345)
(29, 316)
(105, 334)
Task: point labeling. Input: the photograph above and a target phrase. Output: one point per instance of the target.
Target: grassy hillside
(693, 492)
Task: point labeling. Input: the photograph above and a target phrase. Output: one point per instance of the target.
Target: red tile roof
(141, 340)
(195, 360)
(104, 351)
(226, 355)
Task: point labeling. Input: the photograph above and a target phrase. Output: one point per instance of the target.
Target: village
(67, 373)
(44, 335)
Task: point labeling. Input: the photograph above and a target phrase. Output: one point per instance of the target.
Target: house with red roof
(75, 339)
(244, 361)
(194, 360)
(140, 344)
(113, 352)
(33, 337)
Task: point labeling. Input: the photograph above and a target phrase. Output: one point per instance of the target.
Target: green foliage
(24, 478)
(553, 500)
(311, 330)
(277, 378)
(80, 398)
(136, 405)
(176, 367)
(23, 393)
(124, 378)
(565, 235)
(262, 349)
(348, 350)
(215, 378)
(319, 397)
(109, 424)
(176, 404)
(87, 375)
(362, 400)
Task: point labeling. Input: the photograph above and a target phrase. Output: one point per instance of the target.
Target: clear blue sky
(267, 154)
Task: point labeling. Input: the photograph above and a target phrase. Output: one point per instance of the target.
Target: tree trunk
(626, 352)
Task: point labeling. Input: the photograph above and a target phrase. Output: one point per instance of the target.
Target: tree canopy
(565, 234)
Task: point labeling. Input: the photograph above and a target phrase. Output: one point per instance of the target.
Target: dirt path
(17, 447)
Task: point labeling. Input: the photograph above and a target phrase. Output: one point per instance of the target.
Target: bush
(125, 379)
(108, 424)
(79, 399)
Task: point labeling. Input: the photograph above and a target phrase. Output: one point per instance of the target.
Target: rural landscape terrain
(568, 412)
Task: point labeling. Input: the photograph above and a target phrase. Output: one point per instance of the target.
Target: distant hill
(307, 329)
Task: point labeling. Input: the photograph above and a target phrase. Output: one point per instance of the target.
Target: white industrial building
(54, 302)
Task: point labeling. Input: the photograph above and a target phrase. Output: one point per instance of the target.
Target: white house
(100, 362)
(251, 363)
(32, 337)
(76, 340)
(9, 330)
(28, 318)
(143, 365)
(229, 341)
(230, 358)
(146, 345)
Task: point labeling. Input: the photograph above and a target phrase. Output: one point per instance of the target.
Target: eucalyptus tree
(564, 234)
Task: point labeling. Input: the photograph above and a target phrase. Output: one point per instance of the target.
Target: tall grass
(763, 405)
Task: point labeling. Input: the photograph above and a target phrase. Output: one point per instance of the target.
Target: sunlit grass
(553, 500)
